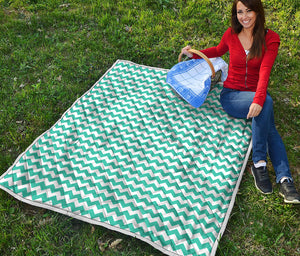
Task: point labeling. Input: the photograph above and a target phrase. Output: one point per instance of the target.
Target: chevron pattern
(132, 156)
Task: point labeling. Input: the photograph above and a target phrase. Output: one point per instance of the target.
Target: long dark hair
(259, 27)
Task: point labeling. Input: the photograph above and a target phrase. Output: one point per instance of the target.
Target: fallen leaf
(115, 243)
(64, 5)
(128, 29)
(92, 229)
(102, 245)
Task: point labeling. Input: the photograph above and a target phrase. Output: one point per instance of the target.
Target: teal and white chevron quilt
(132, 156)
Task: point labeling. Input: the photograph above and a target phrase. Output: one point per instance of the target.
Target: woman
(253, 50)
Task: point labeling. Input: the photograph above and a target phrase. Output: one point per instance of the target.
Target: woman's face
(245, 16)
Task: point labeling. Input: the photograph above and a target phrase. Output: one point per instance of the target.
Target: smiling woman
(248, 21)
(253, 50)
(246, 16)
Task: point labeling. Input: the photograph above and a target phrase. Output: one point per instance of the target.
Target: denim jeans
(265, 138)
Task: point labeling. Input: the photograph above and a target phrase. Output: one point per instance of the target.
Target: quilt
(134, 157)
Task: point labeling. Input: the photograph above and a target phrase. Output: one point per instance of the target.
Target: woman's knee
(267, 110)
(268, 105)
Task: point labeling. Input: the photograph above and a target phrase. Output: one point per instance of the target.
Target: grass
(53, 51)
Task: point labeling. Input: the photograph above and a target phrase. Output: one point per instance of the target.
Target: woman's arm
(270, 55)
(211, 52)
(265, 71)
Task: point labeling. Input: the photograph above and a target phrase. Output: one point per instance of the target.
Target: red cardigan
(252, 75)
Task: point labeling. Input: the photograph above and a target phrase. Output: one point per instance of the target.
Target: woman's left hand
(254, 110)
(185, 51)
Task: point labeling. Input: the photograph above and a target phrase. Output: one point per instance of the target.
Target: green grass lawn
(53, 51)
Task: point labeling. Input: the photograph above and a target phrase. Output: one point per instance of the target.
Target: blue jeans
(265, 138)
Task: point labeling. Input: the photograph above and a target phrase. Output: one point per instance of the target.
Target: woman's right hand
(185, 51)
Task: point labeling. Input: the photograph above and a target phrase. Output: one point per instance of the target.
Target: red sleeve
(219, 50)
(272, 43)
